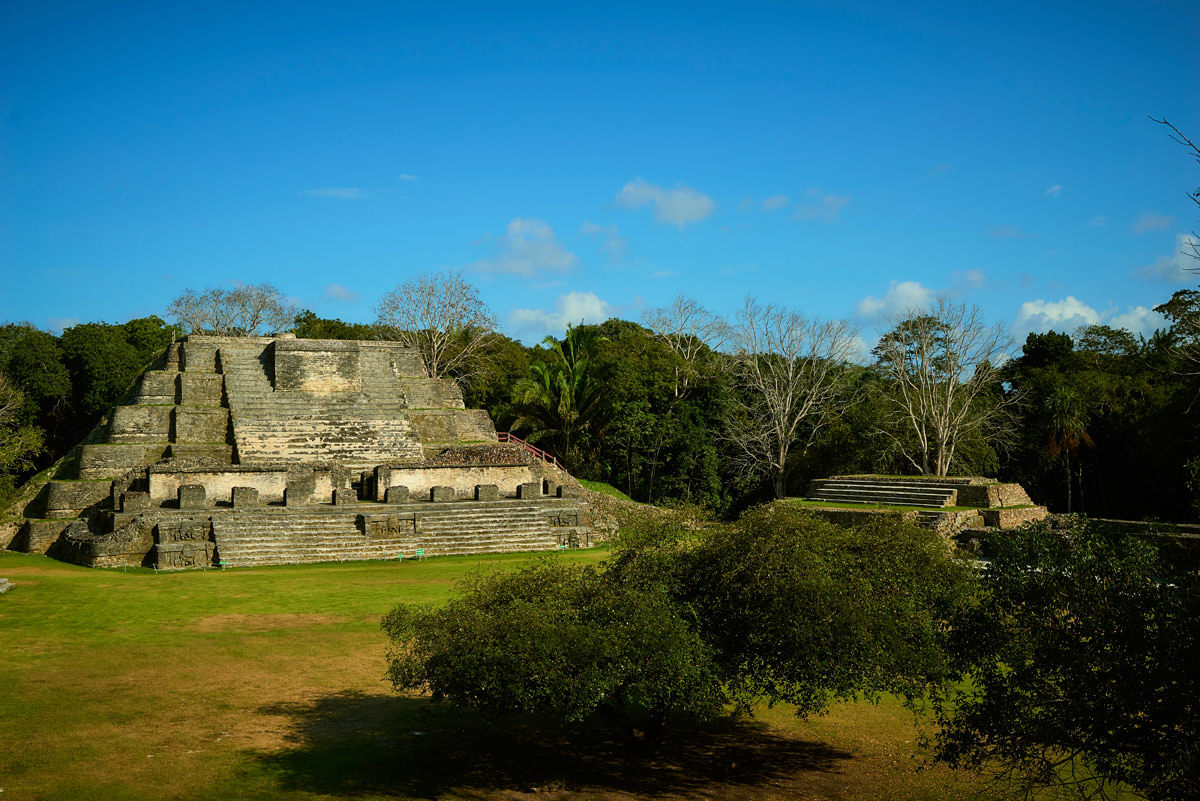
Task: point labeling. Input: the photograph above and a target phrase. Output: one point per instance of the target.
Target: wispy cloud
(406, 177)
(820, 207)
(1053, 191)
(1098, 222)
(527, 248)
(678, 206)
(901, 297)
(1178, 268)
(1152, 221)
(340, 192)
(573, 308)
(1007, 232)
(59, 323)
(663, 274)
(940, 169)
(774, 202)
(340, 293)
(611, 242)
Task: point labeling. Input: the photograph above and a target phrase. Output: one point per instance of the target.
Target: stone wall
(464, 479)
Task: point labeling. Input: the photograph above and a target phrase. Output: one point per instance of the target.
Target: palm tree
(1067, 418)
(561, 398)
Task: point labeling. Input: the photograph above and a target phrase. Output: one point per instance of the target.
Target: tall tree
(562, 397)
(790, 373)
(442, 317)
(1067, 417)
(245, 310)
(692, 332)
(943, 367)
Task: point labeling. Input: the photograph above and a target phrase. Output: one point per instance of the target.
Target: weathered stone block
(192, 496)
(300, 488)
(382, 477)
(441, 494)
(396, 495)
(486, 492)
(532, 489)
(38, 535)
(344, 496)
(135, 501)
(566, 491)
(200, 389)
(244, 497)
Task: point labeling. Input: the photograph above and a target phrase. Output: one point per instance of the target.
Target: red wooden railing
(504, 436)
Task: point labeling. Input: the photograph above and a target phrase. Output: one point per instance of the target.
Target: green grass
(607, 489)
(268, 684)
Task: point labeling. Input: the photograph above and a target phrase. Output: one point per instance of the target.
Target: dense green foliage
(780, 607)
(1082, 655)
(67, 382)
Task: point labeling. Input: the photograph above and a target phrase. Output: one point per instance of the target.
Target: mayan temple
(239, 451)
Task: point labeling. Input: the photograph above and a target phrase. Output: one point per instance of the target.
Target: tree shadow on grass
(356, 743)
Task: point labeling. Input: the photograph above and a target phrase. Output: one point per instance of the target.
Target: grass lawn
(266, 684)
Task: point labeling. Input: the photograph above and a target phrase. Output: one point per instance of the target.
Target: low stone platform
(990, 503)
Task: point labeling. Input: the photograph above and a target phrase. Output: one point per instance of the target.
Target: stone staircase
(890, 493)
(357, 429)
(283, 536)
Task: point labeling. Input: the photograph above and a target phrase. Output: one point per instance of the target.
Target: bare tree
(246, 310)
(691, 332)
(442, 317)
(944, 369)
(790, 371)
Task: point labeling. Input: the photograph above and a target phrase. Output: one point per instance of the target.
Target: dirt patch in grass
(253, 623)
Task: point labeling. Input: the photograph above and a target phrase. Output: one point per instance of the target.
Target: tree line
(684, 406)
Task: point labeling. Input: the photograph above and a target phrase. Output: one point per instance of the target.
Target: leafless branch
(791, 372)
(247, 310)
(442, 317)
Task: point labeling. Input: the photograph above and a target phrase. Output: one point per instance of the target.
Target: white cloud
(745, 204)
(1139, 320)
(340, 192)
(526, 248)
(823, 208)
(339, 292)
(1178, 268)
(612, 243)
(774, 202)
(901, 297)
(678, 206)
(1070, 313)
(1053, 191)
(663, 274)
(940, 169)
(1007, 232)
(573, 308)
(406, 177)
(1097, 222)
(1152, 221)
(1062, 315)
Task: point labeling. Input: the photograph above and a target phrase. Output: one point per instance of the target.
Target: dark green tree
(309, 326)
(558, 640)
(562, 399)
(1081, 655)
(779, 608)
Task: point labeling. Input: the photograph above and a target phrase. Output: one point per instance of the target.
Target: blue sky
(584, 161)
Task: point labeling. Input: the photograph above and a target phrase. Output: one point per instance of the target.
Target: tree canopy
(1081, 654)
(780, 607)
